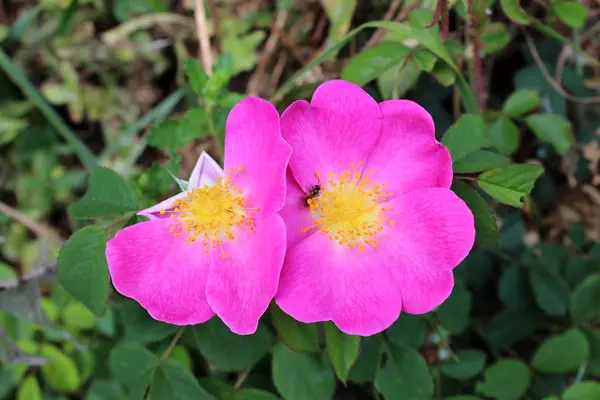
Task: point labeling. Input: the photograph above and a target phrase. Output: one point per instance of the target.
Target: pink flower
(218, 247)
(385, 231)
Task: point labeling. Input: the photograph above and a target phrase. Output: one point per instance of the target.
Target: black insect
(313, 192)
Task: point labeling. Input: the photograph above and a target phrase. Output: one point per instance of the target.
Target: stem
(205, 52)
(172, 344)
(38, 228)
(473, 28)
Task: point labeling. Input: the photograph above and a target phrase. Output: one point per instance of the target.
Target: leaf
(10, 353)
(585, 300)
(29, 389)
(342, 350)
(301, 376)
(404, 372)
(60, 372)
(513, 10)
(444, 74)
(486, 229)
(521, 102)
(468, 365)
(364, 368)
(171, 381)
(108, 194)
(454, 312)
(572, 13)
(196, 75)
(140, 327)
(425, 59)
(409, 330)
(505, 136)
(133, 366)
(254, 394)
(468, 134)
(561, 353)
(509, 184)
(505, 380)
(399, 79)
(371, 63)
(77, 317)
(479, 160)
(582, 391)
(82, 268)
(551, 292)
(226, 350)
(340, 14)
(494, 38)
(103, 389)
(552, 128)
(514, 289)
(296, 335)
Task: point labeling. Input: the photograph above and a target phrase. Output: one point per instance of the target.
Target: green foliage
(572, 13)
(561, 353)
(505, 380)
(467, 365)
(61, 373)
(296, 335)
(585, 300)
(467, 135)
(342, 350)
(521, 102)
(553, 129)
(510, 184)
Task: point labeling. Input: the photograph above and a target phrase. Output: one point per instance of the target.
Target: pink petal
(241, 285)
(154, 211)
(423, 289)
(166, 275)
(206, 172)
(323, 281)
(339, 127)
(253, 142)
(407, 156)
(295, 213)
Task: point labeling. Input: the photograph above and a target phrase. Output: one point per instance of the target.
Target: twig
(214, 14)
(241, 378)
(34, 274)
(38, 228)
(376, 37)
(172, 344)
(473, 27)
(270, 46)
(118, 34)
(548, 76)
(205, 51)
(277, 72)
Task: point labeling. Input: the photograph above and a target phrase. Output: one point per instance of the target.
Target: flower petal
(206, 172)
(154, 211)
(407, 155)
(241, 285)
(253, 142)
(339, 127)
(322, 281)
(423, 289)
(166, 275)
(295, 213)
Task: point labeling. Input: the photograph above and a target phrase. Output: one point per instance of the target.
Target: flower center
(211, 213)
(349, 209)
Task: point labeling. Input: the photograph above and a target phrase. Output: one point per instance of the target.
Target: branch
(33, 275)
(38, 228)
(205, 52)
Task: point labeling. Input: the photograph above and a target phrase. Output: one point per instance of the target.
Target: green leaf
(444, 74)
(133, 366)
(509, 184)
(468, 134)
(505, 136)
(108, 194)
(226, 350)
(514, 289)
(511, 326)
(254, 394)
(103, 389)
(486, 229)
(454, 312)
(29, 389)
(296, 335)
(582, 391)
(409, 330)
(405, 371)
(140, 327)
(479, 160)
(505, 380)
(469, 364)
(561, 353)
(196, 75)
(369, 64)
(364, 368)
(301, 376)
(552, 128)
(60, 372)
(550, 290)
(494, 38)
(82, 268)
(521, 102)
(513, 10)
(77, 317)
(399, 79)
(572, 13)
(342, 350)
(171, 381)
(585, 300)
(425, 59)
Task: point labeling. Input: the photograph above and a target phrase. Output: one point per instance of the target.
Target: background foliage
(103, 105)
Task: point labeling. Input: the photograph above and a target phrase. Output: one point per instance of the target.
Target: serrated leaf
(505, 136)
(295, 334)
(513, 10)
(467, 365)
(227, 351)
(454, 312)
(551, 292)
(486, 229)
(133, 366)
(82, 268)
(196, 75)
(108, 194)
(572, 13)
(60, 372)
(585, 300)
(521, 102)
(552, 128)
(505, 380)
(468, 134)
(561, 353)
(479, 160)
(511, 183)
(342, 350)
(369, 64)
(173, 382)
(301, 376)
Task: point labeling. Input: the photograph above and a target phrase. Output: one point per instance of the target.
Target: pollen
(350, 209)
(212, 214)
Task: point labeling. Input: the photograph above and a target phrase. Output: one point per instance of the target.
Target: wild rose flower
(384, 231)
(218, 247)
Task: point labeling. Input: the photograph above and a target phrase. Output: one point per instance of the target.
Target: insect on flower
(313, 192)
